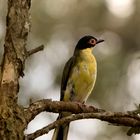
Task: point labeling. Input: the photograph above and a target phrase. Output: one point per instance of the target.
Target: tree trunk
(12, 120)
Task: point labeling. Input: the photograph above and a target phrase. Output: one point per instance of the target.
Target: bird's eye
(92, 42)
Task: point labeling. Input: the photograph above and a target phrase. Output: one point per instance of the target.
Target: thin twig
(122, 119)
(40, 48)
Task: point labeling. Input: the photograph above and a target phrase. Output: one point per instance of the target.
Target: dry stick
(120, 118)
(40, 48)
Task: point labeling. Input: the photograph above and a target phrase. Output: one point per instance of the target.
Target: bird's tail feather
(61, 132)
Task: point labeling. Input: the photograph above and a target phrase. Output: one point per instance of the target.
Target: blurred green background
(59, 24)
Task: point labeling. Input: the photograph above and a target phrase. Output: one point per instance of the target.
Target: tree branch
(56, 107)
(37, 49)
(118, 118)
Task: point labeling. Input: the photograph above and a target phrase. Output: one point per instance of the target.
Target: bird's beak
(99, 41)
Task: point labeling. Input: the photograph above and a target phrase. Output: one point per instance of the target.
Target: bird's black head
(87, 42)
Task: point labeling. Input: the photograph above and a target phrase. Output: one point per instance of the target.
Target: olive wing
(66, 75)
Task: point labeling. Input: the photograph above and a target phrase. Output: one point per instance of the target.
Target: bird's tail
(61, 132)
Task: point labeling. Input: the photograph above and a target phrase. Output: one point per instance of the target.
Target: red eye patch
(92, 42)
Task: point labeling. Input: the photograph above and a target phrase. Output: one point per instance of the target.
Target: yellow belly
(81, 81)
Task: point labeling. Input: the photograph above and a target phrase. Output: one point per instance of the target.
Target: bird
(78, 79)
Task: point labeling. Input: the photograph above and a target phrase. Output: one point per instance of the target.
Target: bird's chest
(84, 73)
(82, 79)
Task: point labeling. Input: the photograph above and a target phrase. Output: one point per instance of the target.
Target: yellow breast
(82, 78)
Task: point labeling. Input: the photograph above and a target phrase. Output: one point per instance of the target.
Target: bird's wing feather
(66, 73)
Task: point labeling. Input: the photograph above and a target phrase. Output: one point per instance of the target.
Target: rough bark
(12, 122)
